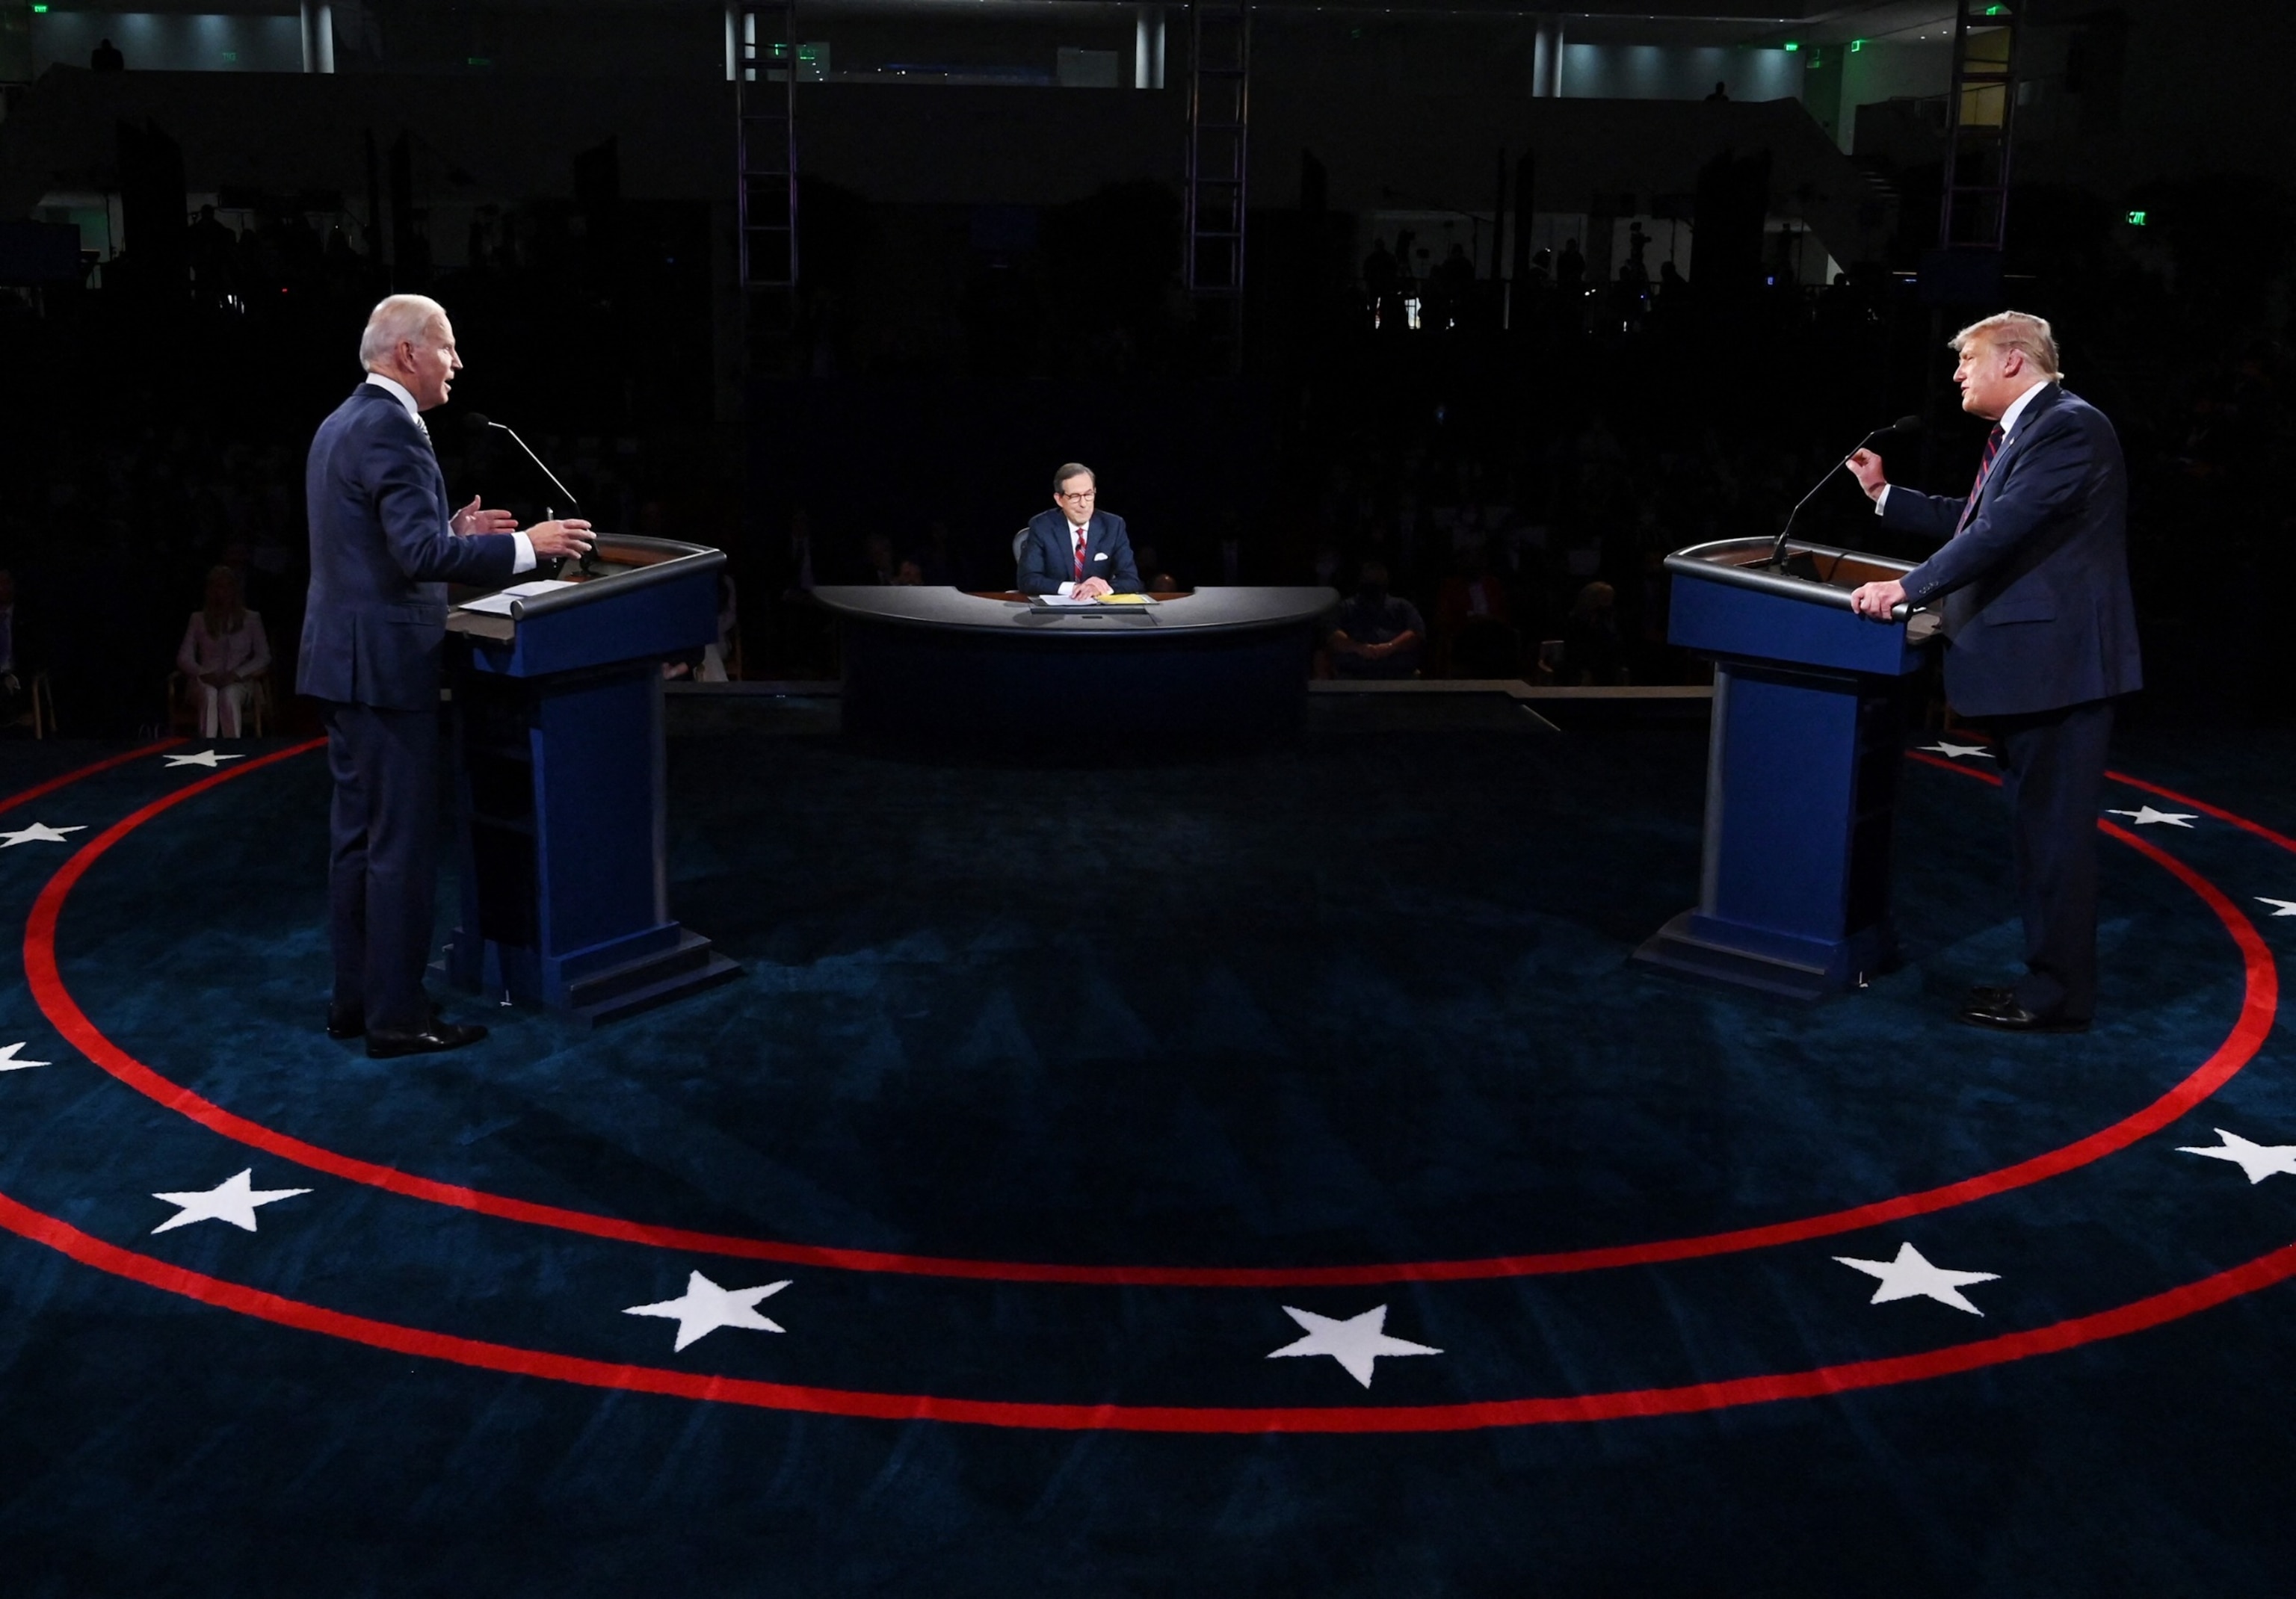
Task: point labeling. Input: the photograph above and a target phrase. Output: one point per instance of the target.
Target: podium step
(639, 985)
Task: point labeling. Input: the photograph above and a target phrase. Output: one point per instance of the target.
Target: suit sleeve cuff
(1882, 501)
(525, 562)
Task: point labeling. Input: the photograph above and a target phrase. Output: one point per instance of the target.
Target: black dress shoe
(1990, 996)
(2010, 1017)
(428, 1040)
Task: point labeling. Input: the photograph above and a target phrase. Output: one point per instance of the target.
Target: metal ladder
(1219, 108)
(1980, 113)
(765, 158)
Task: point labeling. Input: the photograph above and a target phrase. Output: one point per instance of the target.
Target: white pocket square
(1101, 556)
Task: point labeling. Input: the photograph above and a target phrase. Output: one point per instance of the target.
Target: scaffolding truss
(1980, 116)
(1219, 115)
(764, 61)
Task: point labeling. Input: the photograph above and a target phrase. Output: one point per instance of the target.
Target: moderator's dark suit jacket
(381, 556)
(2037, 612)
(1048, 554)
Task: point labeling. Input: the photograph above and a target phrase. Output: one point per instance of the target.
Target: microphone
(477, 423)
(1903, 425)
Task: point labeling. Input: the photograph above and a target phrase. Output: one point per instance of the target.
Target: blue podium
(1801, 774)
(557, 737)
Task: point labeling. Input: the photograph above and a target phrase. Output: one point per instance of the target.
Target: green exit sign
(2136, 220)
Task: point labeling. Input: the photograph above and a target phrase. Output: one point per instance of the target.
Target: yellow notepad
(1123, 600)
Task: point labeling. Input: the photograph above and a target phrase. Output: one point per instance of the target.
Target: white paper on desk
(1064, 602)
(498, 604)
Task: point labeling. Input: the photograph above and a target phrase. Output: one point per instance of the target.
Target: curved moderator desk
(938, 666)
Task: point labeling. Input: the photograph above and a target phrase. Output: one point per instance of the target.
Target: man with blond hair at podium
(384, 546)
(2040, 638)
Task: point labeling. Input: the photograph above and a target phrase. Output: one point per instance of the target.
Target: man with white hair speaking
(2040, 638)
(384, 545)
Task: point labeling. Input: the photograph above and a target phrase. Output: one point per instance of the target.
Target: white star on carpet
(2145, 816)
(208, 758)
(704, 1308)
(2258, 1161)
(38, 832)
(1953, 751)
(8, 1063)
(1910, 1277)
(2280, 908)
(234, 1201)
(1356, 1343)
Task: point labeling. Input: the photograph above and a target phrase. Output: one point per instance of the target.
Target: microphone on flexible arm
(1904, 424)
(478, 423)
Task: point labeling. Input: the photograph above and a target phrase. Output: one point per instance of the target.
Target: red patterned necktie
(1984, 469)
(1079, 555)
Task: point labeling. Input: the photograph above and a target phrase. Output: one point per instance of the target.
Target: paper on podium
(498, 604)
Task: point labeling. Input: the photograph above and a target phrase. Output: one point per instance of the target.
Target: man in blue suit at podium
(2040, 638)
(384, 546)
(1076, 548)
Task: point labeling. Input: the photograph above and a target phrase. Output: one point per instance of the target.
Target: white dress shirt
(398, 391)
(2007, 424)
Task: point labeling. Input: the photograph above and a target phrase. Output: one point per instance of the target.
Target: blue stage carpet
(1267, 1176)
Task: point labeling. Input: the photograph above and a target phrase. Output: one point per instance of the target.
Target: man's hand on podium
(1865, 466)
(1091, 588)
(471, 518)
(568, 535)
(1877, 600)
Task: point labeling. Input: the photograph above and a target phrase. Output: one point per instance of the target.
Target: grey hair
(402, 318)
(2014, 330)
(1073, 468)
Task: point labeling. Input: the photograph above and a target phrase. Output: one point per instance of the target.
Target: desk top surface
(1206, 611)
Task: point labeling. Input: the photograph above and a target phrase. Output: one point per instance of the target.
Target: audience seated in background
(1379, 634)
(224, 652)
(1473, 620)
(1592, 652)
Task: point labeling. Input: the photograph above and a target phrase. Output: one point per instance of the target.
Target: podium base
(1775, 963)
(599, 985)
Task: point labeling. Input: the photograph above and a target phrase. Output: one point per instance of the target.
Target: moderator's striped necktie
(1079, 555)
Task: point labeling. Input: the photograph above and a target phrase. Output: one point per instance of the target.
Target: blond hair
(2014, 330)
(403, 318)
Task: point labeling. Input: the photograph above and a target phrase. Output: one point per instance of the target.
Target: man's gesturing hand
(1878, 599)
(568, 535)
(1865, 466)
(472, 518)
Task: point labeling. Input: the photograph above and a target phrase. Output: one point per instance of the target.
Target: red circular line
(2152, 1311)
(90, 770)
(2260, 1002)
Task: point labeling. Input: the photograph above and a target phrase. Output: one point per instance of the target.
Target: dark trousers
(384, 872)
(2052, 771)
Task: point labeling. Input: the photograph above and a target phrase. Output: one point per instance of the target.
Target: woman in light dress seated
(224, 652)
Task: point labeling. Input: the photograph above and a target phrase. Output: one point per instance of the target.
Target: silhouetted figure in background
(1383, 286)
(1379, 634)
(1571, 268)
(1719, 93)
(106, 58)
(214, 247)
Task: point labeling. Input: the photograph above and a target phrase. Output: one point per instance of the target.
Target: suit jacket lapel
(2026, 421)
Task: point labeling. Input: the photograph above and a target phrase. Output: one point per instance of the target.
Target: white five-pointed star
(1910, 1277)
(38, 832)
(1953, 751)
(704, 1308)
(208, 758)
(2280, 908)
(8, 1063)
(2145, 816)
(1355, 1343)
(2258, 1161)
(234, 1201)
